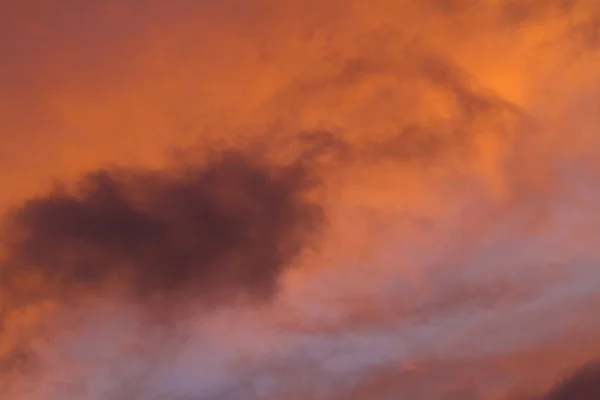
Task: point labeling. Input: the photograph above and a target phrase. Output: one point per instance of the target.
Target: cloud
(584, 384)
(212, 231)
(426, 148)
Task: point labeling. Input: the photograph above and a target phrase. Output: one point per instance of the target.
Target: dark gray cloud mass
(584, 384)
(213, 231)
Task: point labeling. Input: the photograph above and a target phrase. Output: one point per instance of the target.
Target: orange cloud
(455, 147)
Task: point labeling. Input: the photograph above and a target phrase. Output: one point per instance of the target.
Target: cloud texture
(299, 200)
(228, 225)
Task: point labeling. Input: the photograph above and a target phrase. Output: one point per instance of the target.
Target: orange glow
(456, 141)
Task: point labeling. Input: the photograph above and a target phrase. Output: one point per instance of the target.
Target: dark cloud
(584, 384)
(224, 228)
(524, 11)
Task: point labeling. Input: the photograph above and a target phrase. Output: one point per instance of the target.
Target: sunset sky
(299, 199)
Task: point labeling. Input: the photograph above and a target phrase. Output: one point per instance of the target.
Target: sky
(294, 200)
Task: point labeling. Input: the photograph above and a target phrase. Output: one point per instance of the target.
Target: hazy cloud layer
(310, 199)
